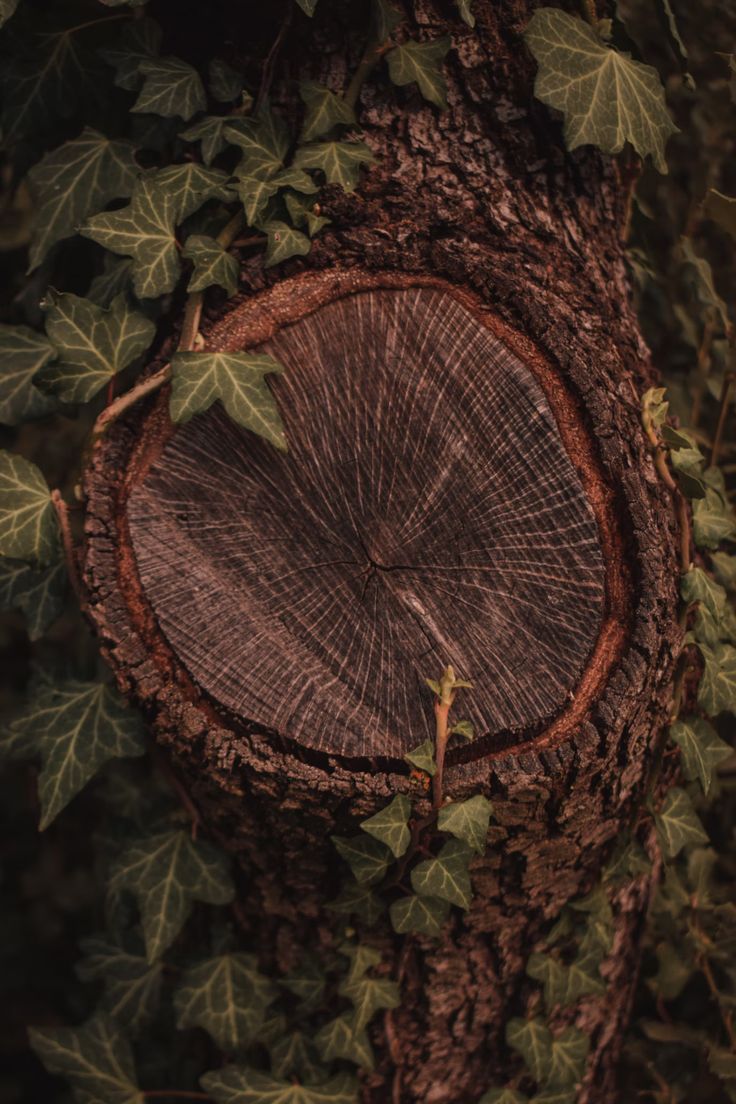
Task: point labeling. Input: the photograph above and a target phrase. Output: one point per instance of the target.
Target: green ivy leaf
(467, 821)
(96, 1058)
(325, 110)
(368, 996)
(342, 1038)
(503, 1096)
(697, 586)
(673, 973)
(23, 353)
(132, 985)
(114, 279)
(339, 161)
(28, 529)
(702, 749)
(166, 873)
(255, 192)
(555, 1096)
(701, 277)
(213, 265)
(564, 985)
(422, 757)
(606, 98)
(141, 39)
(74, 181)
(724, 568)
(302, 212)
(390, 825)
(717, 687)
(171, 88)
(355, 899)
(307, 6)
(532, 1040)
(294, 1055)
(421, 63)
(227, 996)
(307, 982)
(722, 209)
(445, 876)
(367, 858)
(464, 729)
(567, 1058)
(678, 824)
(240, 1085)
(283, 242)
(264, 140)
(385, 18)
(237, 380)
(225, 83)
(210, 132)
(422, 915)
(7, 8)
(93, 344)
(713, 520)
(76, 727)
(39, 594)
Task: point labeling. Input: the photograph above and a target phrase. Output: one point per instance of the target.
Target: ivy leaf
(342, 1038)
(717, 687)
(702, 749)
(307, 6)
(255, 192)
(227, 996)
(38, 593)
(722, 209)
(28, 529)
(114, 279)
(294, 1055)
(23, 353)
(264, 140)
(368, 996)
(421, 62)
(464, 729)
(724, 568)
(422, 757)
(241, 1085)
(132, 985)
(467, 821)
(606, 98)
(284, 242)
(141, 39)
(93, 344)
(564, 985)
(385, 18)
(464, 7)
(212, 264)
(76, 727)
(237, 380)
(532, 1040)
(96, 1058)
(503, 1096)
(325, 110)
(567, 1058)
(713, 520)
(678, 824)
(355, 899)
(701, 277)
(191, 185)
(7, 8)
(673, 973)
(339, 161)
(445, 876)
(367, 858)
(210, 132)
(171, 88)
(555, 1096)
(697, 586)
(166, 873)
(362, 959)
(307, 982)
(390, 825)
(225, 83)
(423, 915)
(75, 180)
(302, 212)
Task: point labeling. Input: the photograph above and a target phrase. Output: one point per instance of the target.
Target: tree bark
(473, 221)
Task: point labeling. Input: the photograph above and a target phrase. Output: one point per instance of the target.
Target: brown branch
(67, 541)
(441, 714)
(271, 57)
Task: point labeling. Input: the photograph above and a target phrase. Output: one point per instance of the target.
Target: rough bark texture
(481, 199)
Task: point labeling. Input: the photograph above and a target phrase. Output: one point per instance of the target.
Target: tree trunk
(467, 483)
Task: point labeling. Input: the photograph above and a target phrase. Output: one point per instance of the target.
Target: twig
(169, 773)
(441, 716)
(270, 62)
(723, 400)
(659, 455)
(67, 541)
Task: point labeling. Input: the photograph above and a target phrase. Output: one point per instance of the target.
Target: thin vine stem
(724, 402)
(67, 542)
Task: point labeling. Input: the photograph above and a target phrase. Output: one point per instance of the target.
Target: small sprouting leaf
(713, 520)
(93, 344)
(28, 529)
(264, 140)
(678, 824)
(422, 757)
(391, 825)
(607, 99)
(339, 161)
(567, 1058)
(342, 1038)
(717, 687)
(325, 110)
(225, 83)
(367, 858)
(697, 586)
(503, 1096)
(532, 1040)
(464, 729)
(421, 62)
(76, 727)
(227, 996)
(467, 821)
(241, 1085)
(423, 915)
(38, 593)
(132, 985)
(369, 995)
(210, 132)
(74, 181)
(445, 876)
(355, 899)
(702, 748)
(96, 1058)
(171, 88)
(23, 353)
(434, 686)
(166, 873)
(213, 265)
(237, 380)
(283, 242)
(654, 406)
